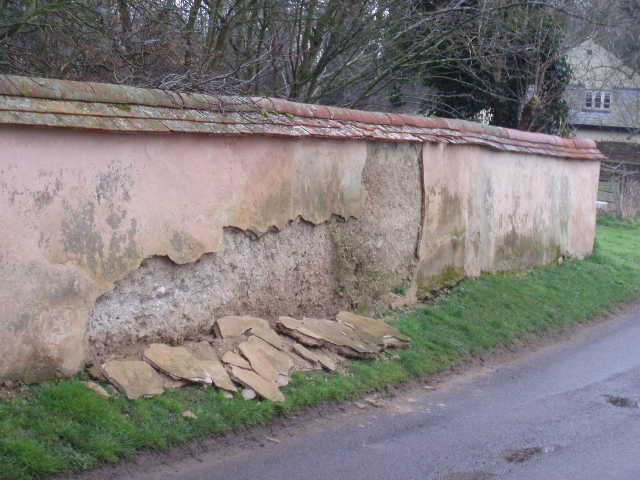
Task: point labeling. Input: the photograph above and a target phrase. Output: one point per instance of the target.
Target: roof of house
(595, 67)
(117, 108)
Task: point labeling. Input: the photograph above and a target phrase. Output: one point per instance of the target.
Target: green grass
(607, 220)
(61, 426)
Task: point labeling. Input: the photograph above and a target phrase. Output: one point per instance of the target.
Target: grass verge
(61, 426)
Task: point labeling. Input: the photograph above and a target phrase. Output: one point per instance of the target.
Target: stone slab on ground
(316, 332)
(134, 378)
(260, 362)
(96, 373)
(172, 384)
(270, 336)
(283, 380)
(99, 389)
(232, 358)
(209, 360)
(177, 362)
(237, 325)
(315, 357)
(266, 389)
(281, 361)
(380, 331)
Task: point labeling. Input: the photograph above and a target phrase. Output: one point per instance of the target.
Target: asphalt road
(550, 414)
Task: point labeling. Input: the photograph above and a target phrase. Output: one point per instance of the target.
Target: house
(604, 101)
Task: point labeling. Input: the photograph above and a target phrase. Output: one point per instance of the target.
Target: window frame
(597, 101)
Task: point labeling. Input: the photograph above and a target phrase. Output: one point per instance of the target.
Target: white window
(597, 100)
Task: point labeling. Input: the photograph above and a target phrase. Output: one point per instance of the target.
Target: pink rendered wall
(493, 211)
(80, 211)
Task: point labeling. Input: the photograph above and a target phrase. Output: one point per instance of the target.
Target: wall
(130, 215)
(301, 269)
(488, 211)
(81, 212)
(254, 225)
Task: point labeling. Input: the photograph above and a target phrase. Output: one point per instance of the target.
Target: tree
(505, 60)
(465, 56)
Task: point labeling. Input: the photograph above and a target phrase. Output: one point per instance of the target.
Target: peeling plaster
(293, 270)
(124, 199)
(84, 210)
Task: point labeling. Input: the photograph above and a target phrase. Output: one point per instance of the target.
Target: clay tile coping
(53, 89)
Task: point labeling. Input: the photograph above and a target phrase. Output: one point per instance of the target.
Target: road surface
(565, 411)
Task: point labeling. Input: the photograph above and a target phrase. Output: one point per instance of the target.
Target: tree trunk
(188, 32)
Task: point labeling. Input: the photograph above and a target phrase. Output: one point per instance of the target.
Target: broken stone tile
(264, 388)
(283, 380)
(134, 378)
(99, 389)
(172, 384)
(209, 360)
(260, 362)
(315, 332)
(303, 363)
(318, 358)
(96, 373)
(297, 330)
(232, 358)
(378, 329)
(177, 362)
(189, 414)
(234, 326)
(281, 361)
(270, 336)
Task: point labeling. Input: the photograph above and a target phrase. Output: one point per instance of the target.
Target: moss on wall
(449, 276)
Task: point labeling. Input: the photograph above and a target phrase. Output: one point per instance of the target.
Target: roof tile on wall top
(585, 143)
(425, 122)
(7, 87)
(100, 106)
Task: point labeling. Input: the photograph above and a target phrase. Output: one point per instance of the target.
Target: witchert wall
(130, 215)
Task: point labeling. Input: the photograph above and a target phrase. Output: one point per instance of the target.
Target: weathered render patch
(378, 253)
(120, 199)
(290, 272)
(44, 324)
(490, 211)
(303, 269)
